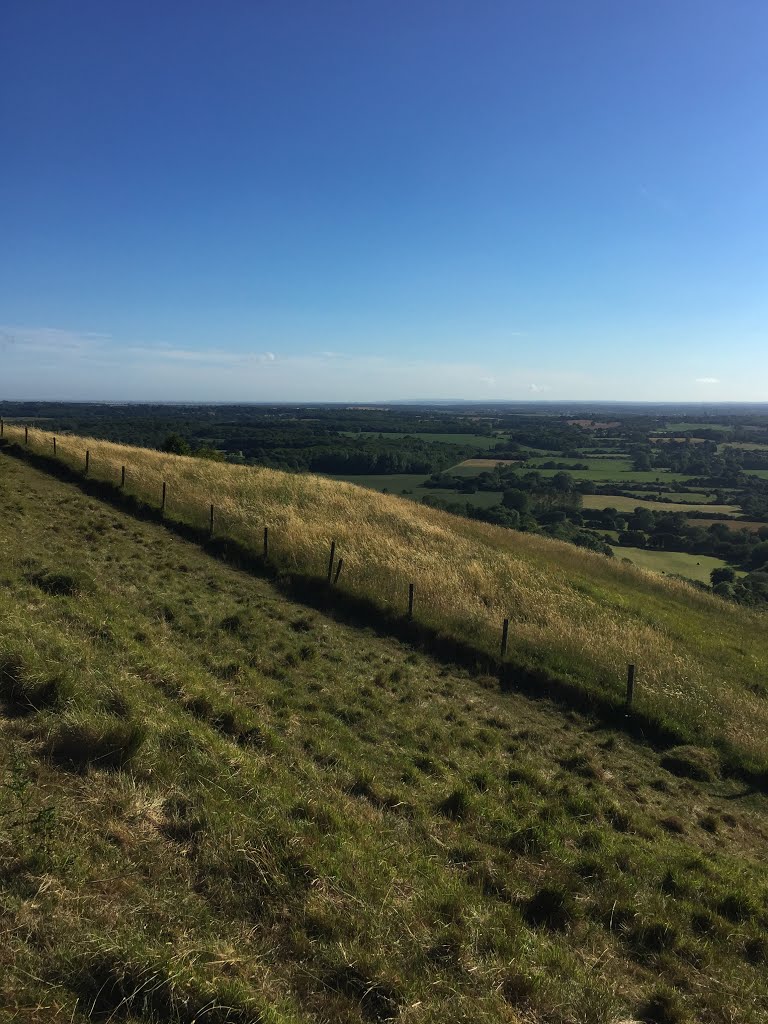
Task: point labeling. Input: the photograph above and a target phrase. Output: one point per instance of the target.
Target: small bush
(692, 763)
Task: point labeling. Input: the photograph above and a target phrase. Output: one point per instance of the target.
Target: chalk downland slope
(576, 617)
(222, 807)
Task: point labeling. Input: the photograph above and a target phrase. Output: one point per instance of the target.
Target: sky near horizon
(350, 201)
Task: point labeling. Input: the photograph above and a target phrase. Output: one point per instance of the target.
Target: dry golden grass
(575, 614)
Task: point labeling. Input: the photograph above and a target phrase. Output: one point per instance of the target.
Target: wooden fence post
(26, 435)
(2, 427)
(122, 476)
(630, 685)
(331, 560)
(410, 600)
(162, 504)
(54, 447)
(87, 461)
(338, 571)
(504, 637)
(210, 528)
(266, 543)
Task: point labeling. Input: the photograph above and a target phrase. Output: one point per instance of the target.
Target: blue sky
(362, 201)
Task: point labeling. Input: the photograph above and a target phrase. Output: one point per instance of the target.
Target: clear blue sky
(279, 200)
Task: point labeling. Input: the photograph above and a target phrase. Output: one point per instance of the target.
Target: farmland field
(732, 524)
(623, 504)
(476, 440)
(686, 428)
(411, 483)
(611, 472)
(693, 567)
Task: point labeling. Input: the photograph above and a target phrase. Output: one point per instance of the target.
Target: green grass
(300, 821)
(693, 567)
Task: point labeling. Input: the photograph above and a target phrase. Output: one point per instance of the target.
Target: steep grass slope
(220, 807)
(575, 616)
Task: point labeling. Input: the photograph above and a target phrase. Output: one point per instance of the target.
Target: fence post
(162, 504)
(630, 686)
(122, 476)
(26, 435)
(410, 600)
(210, 529)
(87, 461)
(504, 637)
(54, 446)
(266, 543)
(331, 560)
(338, 571)
(2, 427)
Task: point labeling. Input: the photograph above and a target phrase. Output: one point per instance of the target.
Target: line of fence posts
(332, 578)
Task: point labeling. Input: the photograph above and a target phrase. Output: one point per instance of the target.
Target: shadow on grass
(362, 612)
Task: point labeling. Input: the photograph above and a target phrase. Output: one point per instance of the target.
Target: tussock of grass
(691, 763)
(96, 740)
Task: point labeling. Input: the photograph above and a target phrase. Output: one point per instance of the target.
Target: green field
(762, 473)
(687, 428)
(601, 470)
(409, 486)
(624, 504)
(474, 440)
(693, 567)
(615, 472)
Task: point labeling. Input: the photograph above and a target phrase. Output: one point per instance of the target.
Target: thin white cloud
(488, 381)
(536, 388)
(707, 380)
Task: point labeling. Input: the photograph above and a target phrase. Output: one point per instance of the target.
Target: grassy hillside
(576, 617)
(221, 807)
